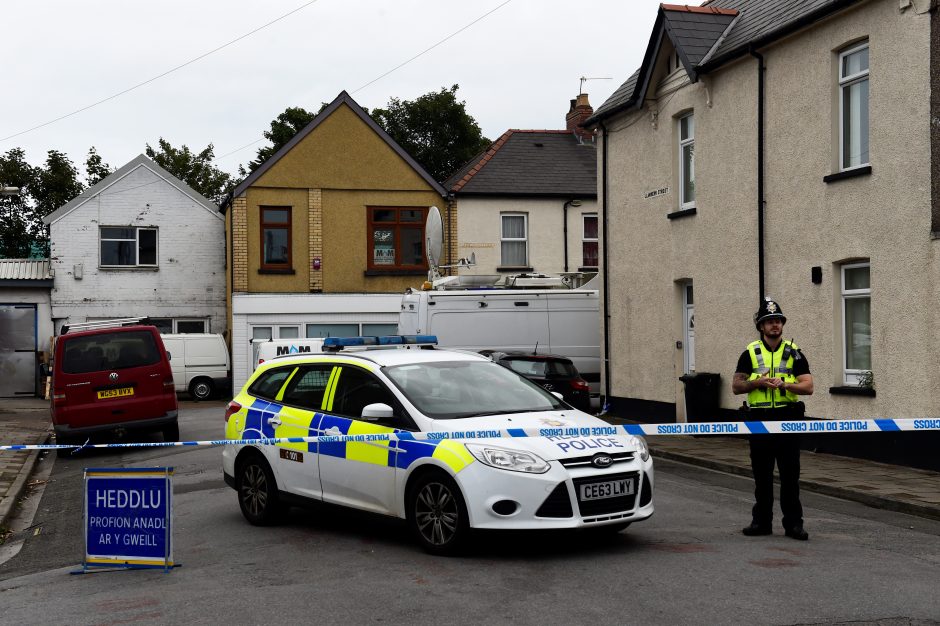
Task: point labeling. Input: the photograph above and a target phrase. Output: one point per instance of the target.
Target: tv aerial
(584, 79)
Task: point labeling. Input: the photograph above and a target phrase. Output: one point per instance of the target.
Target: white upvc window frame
(585, 239)
(192, 320)
(683, 143)
(524, 239)
(847, 81)
(852, 377)
(137, 230)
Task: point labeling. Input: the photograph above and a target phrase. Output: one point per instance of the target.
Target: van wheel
(201, 389)
(257, 491)
(437, 514)
(172, 432)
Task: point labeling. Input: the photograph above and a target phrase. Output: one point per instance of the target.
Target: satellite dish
(434, 236)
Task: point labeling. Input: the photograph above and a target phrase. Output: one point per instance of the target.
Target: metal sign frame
(122, 499)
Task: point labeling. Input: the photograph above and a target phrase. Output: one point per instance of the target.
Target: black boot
(756, 529)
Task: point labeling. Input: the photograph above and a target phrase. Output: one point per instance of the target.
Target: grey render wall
(190, 279)
(884, 217)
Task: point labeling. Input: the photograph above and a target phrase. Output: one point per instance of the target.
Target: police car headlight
(513, 460)
(642, 448)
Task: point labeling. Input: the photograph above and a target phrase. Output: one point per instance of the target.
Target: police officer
(772, 371)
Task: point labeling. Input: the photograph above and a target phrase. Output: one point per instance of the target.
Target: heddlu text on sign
(128, 513)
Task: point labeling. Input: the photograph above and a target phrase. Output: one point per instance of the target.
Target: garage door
(17, 350)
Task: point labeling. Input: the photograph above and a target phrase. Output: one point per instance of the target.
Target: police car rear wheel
(438, 514)
(257, 492)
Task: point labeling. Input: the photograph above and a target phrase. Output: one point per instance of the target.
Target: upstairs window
(514, 241)
(589, 240)
(853, 107)
(856, 322)
(276, 238)
(396, 238)
(687, 162)
(128, 246)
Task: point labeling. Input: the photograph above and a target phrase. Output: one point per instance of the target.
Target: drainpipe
(760, 172)
(606, 318)
(564, 211)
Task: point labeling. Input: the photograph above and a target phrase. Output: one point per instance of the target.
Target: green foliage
(435, 129)
(96, 170)
(42, 190)
(195, 169)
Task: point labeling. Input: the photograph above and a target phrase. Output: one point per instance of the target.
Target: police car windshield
(459, 389)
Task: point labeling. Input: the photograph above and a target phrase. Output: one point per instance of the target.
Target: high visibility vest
(777, 364)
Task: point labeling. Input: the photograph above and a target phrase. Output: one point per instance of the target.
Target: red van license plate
(115, 393)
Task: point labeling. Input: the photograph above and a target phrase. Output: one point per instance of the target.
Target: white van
(200, 363)
(267, 349)
(561, 321)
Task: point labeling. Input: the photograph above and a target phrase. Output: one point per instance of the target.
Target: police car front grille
(589, 508)
(585, 461)
(557, 504)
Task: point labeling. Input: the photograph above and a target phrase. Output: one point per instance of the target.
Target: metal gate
(18, 328)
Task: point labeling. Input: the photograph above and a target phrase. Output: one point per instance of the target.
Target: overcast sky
(518, 67)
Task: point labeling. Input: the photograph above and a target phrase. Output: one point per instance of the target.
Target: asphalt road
(688, 564)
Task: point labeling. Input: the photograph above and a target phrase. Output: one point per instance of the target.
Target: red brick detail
(693, 9)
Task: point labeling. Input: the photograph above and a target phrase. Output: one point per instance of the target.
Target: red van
(112, 380)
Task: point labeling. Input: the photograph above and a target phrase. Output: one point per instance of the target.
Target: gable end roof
(758, 24)
(342, 98)
(117, 175)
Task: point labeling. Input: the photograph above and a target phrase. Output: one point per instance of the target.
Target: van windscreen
(109, 351)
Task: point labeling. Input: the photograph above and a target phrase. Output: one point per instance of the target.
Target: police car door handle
(274, 421)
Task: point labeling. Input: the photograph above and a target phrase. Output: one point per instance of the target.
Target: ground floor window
(175, 325)
(856, 323)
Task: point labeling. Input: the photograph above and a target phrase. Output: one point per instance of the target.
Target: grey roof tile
(531, 162)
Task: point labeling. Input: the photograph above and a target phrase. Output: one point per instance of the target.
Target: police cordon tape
(699, 428)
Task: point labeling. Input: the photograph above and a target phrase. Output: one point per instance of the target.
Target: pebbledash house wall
(189, 280)
(479, 230)
(884, 217)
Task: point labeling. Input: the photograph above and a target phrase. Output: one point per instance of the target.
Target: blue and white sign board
(128, 514)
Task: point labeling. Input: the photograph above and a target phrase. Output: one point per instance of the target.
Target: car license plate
(608, 489)
(115, 393)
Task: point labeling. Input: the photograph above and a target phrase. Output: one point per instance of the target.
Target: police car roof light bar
(334, 344)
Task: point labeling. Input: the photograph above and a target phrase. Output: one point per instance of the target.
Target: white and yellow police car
(462, 456)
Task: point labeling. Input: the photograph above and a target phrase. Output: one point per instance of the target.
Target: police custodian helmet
(768, 310)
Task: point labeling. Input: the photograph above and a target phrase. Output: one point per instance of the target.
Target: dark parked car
(553, 372)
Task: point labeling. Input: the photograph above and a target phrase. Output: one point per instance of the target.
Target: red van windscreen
(109, 351)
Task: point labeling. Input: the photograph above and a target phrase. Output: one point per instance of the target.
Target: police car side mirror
(558, 395)
(376, 412)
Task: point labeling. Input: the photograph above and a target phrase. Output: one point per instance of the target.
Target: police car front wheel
(437, 514)
(257, 491)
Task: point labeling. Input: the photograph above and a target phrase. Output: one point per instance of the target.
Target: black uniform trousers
(784, 450)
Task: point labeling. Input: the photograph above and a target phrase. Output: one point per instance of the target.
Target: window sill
(128, 268)
(514, 268)
(683, 213)
(852, 173)
(395, 272)
(848, 390)
(286, 270)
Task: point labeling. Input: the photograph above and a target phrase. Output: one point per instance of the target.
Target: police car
(474, 445)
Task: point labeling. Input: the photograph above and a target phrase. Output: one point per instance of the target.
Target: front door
(17, 350)
(689, 321)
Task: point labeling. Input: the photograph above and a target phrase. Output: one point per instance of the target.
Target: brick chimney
(579, 111)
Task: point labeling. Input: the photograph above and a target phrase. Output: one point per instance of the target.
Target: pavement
(879, 485)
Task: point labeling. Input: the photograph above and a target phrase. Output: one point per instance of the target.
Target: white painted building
(140, 243)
